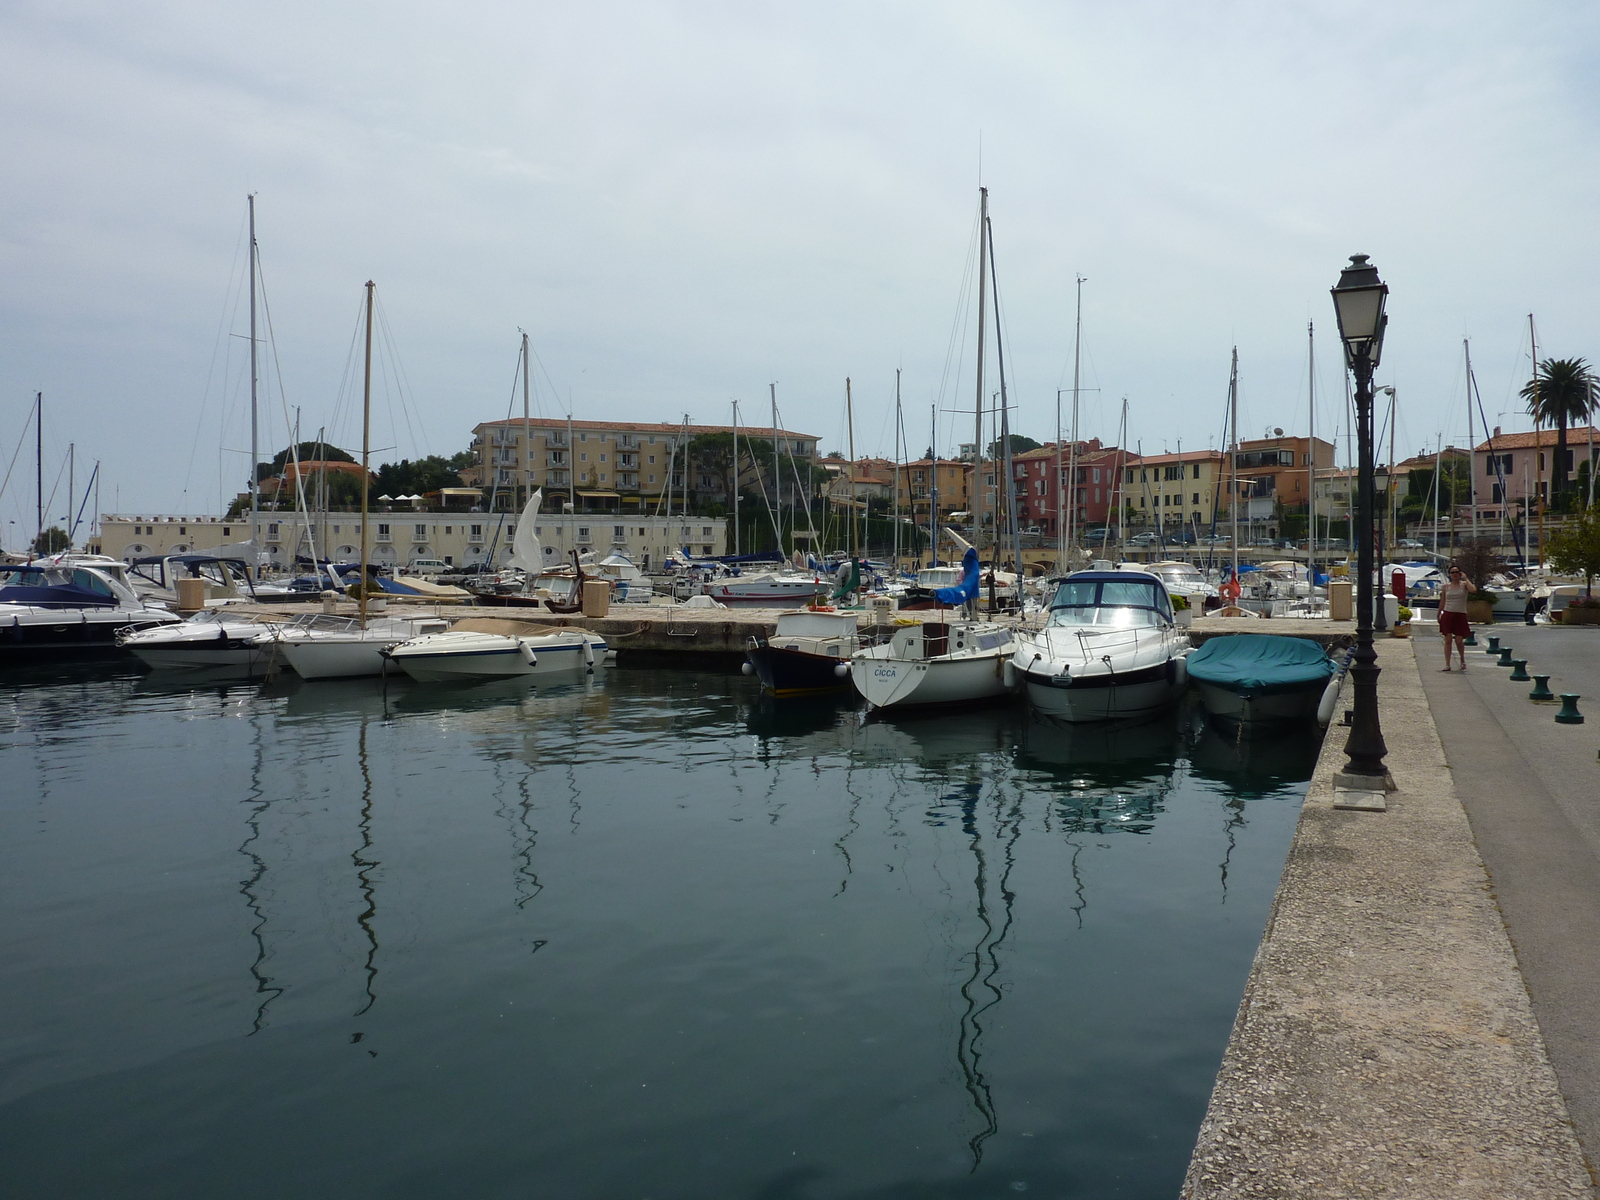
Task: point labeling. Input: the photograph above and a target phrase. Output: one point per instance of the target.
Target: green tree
(1563, 391)
(1575, 550)
(52, 541)
(305, 452)
(712, 453)
(1019, 445)
(406, 478)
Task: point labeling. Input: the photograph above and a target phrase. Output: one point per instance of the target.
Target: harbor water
(645, 934)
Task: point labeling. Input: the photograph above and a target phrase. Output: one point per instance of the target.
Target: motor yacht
(809, 652)
(1110, 649)
(69, 609)
(462, 656)
(323, 646)
(212, 639)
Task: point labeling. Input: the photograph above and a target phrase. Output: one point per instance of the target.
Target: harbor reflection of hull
(796, 673)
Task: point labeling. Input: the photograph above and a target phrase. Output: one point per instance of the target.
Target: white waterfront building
(397, 538)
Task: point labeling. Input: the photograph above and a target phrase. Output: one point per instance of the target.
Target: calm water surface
(641, 936)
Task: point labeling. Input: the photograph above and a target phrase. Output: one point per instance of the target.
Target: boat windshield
(1109, 602)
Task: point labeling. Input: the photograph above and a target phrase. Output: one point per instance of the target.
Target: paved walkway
(1531, 790)
(1385, 1045)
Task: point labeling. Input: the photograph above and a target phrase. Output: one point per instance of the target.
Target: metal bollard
(1519, 670)
(1527, 619)
(1505, 657)
(1471, 639)
(1569, 714)
(1494, 645)
(1541, 689)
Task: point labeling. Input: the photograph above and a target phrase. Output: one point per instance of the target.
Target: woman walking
(1453, 625)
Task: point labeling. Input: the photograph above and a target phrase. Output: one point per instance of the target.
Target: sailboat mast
(1072, 457)
(1061, 491)
(777, 471)
(72, 487)
(366, 449)
(1538, 457)
(255, 444)
(1311, 451)
(977, 403)
(1005, 428)
(1122, 474)
(899, 441)
(933, 487)
(39, 546)
(850, 429)
(1472, 476)
(521, 476)
(1233, 457)
(736, 478)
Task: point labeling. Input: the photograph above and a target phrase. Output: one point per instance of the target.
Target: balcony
(555, 458)
(627, 441)
(554, 441)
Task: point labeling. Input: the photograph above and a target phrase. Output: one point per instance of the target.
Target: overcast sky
(682, 204)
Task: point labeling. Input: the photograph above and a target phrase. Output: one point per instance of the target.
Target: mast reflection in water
(643, 934)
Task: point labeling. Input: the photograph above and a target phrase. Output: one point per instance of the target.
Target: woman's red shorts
(1452, 624)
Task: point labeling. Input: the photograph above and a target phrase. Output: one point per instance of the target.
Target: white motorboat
(332, 647)
(211, 639)
(809, 652)
(69, 609)
(773, 589)
(936, 662)
(1110, 649)
(1180, 579)
(463, 656)
(629, 585)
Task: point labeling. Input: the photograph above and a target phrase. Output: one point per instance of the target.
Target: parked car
(1409, 544)
(1143, 539)
(1097, 537)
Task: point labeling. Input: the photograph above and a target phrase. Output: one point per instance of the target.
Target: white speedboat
(332, 647)
(937, 662)
(1180, 579)
(211, 639)
(69, 609)
(1110, 649)
(463, 656)
(809, 652)
(769, 590)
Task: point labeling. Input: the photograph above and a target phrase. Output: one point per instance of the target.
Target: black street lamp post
(1358, 300)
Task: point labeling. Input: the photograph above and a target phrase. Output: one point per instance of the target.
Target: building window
(1197, 470)
(420, 530)
(705, 531)
(272, 530)
(477, 531)
(652, 457)
(652, 479)
(383, 531)
(226, 532)
(583, 533)
(618, 531)
(583, 437)
(602, 458)
(583, 458)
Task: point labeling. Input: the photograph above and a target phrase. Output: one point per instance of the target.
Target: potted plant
(1402, 623)
(1182, 614)
(1585, 610)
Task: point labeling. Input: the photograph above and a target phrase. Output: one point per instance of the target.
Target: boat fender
(588, 655)
(528, 655)
(1183, 670)
(1330, 698)
(842, 670)
(747, 667)
(1008, 675)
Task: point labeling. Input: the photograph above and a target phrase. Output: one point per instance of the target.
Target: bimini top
(1261, 664)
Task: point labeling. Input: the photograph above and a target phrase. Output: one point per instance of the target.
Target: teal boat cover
(1260, 664)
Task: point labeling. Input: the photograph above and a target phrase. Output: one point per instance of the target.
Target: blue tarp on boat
(1261, 664)
(967, 589)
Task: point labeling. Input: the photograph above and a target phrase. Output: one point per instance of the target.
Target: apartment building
(397, 538)
(1092, 494)
(1277, 469)
(1175, 491)
(921, 481)
(622, 466)
(1510, 468)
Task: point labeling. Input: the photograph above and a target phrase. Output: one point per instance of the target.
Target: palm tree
(1563, 391)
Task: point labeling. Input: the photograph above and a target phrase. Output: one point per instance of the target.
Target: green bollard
(1569, 714)
(1471, 639)
(1519, 670)
(1494, 645)
(1541, 689)
(1505, 657)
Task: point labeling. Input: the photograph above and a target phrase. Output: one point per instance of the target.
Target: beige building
(1176, 491)
(620, 466)
(399, 538)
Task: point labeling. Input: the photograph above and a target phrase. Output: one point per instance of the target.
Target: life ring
(1231, 589)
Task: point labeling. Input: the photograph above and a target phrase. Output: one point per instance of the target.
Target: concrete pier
(1386, 1045)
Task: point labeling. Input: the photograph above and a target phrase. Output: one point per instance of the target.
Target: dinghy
(1259, 680)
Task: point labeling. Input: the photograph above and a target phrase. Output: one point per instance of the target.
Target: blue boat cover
(1260, 664)
(967, 589)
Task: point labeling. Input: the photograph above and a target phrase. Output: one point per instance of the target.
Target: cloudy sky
(683, 203)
